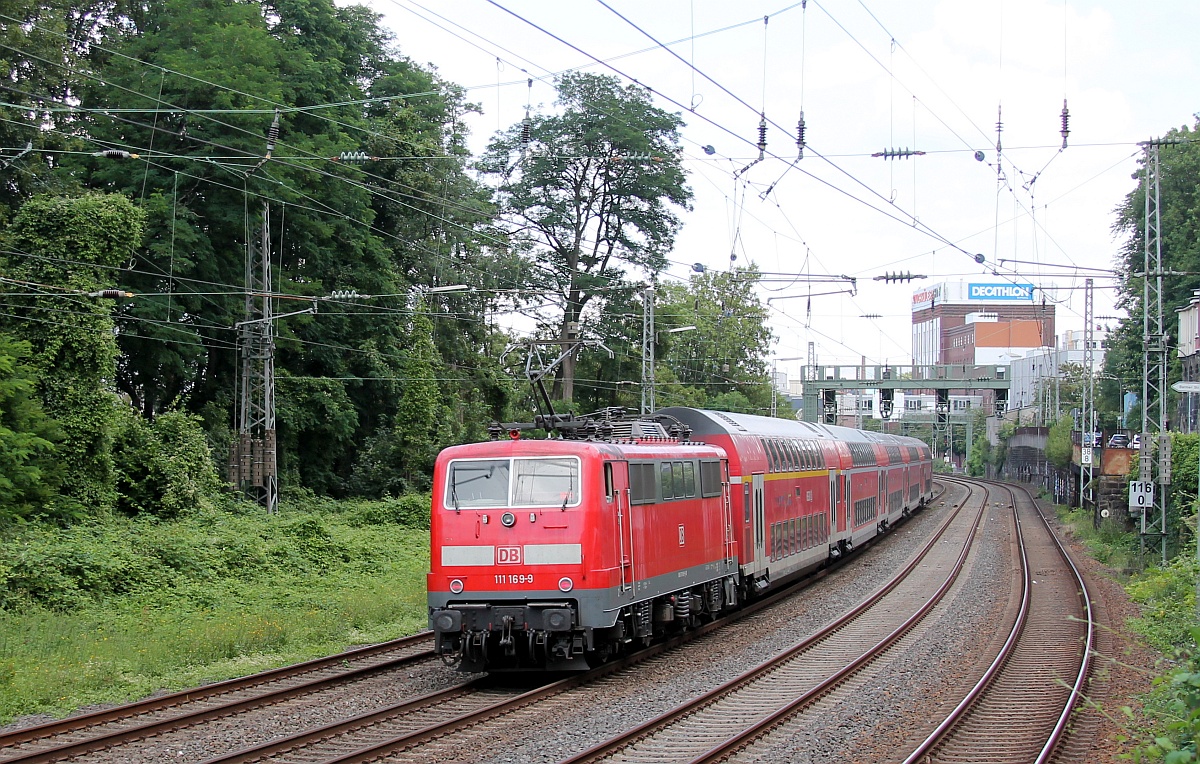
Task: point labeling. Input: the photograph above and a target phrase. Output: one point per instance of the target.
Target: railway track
(718, 724)
(1018, 711)
(111, 727)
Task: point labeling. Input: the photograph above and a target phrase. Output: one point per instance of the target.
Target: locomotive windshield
(552, 481)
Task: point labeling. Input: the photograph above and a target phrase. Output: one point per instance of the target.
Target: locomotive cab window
(529, 482)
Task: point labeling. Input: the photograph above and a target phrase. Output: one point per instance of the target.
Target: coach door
(833, 502)
(760, 530)
(616, 492)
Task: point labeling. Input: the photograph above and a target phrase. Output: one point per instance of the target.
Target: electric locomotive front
(550, 554)
(510, 531)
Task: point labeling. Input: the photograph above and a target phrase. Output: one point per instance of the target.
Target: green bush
(164, 467)
(1168, 599)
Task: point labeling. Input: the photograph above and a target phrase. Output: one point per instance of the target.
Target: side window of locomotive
(689, 479)
(541, 482)
(710, 479)
(677, 478)
(610, 486)
(668, 482)
(642, 483)
(477, 483)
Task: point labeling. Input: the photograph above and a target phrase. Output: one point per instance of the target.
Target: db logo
(508, 555)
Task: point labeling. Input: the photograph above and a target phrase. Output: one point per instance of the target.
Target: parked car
(1137, 441)
(1119, 440)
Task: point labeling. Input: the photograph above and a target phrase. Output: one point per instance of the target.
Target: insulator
(115, 154)
(762, 135)
(800, 140)
(999, 128)
(273, 133)
(1066, 123)
(526, 132)
(353, 157)
(113, 294)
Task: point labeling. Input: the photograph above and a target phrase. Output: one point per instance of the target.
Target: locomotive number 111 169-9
(514, 578)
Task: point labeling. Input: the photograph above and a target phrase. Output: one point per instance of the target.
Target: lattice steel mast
(253, 466)
(1154, 363)
(1087, 419)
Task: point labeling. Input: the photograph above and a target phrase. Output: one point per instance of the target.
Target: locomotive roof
(648, 448)
(705, 422)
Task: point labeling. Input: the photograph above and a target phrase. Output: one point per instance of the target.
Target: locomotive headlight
(565, 584)
(456, 586)
(507, 519)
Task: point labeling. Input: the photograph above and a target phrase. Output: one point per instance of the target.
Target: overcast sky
(869, 76)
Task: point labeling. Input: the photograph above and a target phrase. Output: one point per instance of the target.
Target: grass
(115, 610)
(1110, 543)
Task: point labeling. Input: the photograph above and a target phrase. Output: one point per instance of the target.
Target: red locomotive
(553, 554)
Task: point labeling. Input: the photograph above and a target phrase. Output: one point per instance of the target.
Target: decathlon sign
(1022, 292)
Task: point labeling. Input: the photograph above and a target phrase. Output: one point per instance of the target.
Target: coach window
(797, 459)
(689, 479)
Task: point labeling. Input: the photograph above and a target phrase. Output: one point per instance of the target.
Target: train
(557, 554)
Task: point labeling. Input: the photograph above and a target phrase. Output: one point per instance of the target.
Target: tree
(74, 246)
(43, 47)
(28, 471)
(727, 351)
(376, 227)
(1059, 449)
(1179, 235)
(591, 192)
(400, 455)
